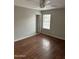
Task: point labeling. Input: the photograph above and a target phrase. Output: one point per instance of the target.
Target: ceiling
(35, 4)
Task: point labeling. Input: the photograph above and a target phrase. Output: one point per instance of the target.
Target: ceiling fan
(43, 3)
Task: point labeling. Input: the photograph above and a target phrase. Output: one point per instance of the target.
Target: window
(46, 21)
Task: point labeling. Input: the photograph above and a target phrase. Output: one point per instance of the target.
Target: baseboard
(36, 34)
(25, 37)
(54, 36)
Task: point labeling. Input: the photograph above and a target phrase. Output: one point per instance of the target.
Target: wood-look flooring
(40, 47)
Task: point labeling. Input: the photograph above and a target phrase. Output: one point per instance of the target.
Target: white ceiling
(35, 4)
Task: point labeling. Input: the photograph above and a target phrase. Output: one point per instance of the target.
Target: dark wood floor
(40, 47)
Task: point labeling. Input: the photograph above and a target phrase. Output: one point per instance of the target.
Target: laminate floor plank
(40, 47)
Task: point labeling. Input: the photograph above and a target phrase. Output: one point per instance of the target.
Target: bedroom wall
(24, 22)
(57, 23)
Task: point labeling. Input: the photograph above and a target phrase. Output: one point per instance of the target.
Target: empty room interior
(39, 29)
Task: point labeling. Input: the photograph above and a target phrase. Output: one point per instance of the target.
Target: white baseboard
(25, 37)
(36, 34)
(55, 36)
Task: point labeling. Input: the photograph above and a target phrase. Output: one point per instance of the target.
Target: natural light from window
(46, 21)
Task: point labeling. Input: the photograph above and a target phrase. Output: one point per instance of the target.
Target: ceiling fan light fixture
(47, 2)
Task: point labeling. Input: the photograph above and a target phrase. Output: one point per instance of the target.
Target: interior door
(38, 23)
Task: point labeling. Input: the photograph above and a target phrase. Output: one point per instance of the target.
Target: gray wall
(57, 23)
(24, 22)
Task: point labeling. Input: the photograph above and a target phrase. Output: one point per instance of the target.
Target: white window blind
(46, 21)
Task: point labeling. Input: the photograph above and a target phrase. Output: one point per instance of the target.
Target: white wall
(24, 22)
(57, 23)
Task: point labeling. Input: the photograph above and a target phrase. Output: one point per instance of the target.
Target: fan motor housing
(42, 3)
